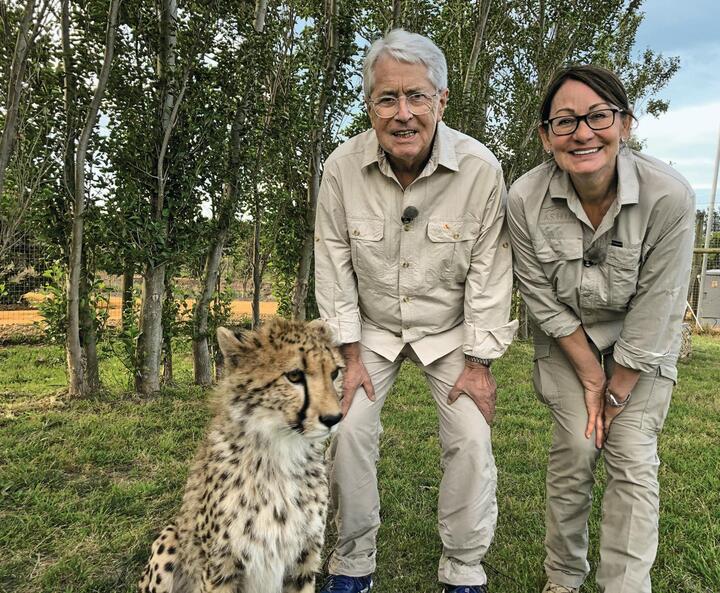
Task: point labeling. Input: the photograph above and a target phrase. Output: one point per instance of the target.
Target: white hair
(411, 48)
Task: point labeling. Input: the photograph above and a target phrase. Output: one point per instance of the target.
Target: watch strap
(612, 400)
(483, 361)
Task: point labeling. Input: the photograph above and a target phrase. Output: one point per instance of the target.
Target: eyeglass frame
(398, 97)
(579, 118)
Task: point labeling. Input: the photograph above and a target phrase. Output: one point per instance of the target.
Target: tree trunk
(302, 280)
(128, 302)
(260, 11)
(88, 333)
(202, 364)
(167, 355)
(483, 12)
(256, 264)
(12, 104)
(150, 339)
(397, 14)
(82, 378)
(149, 345)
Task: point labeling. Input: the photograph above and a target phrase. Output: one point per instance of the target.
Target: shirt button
(406, 299)
(406, 227)
(456, 236)
(406, 326)
(406, 264)
(356, 232)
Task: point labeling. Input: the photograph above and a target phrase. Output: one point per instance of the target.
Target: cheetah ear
(229, 344)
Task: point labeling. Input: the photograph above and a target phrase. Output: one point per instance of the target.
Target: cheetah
(253, 514)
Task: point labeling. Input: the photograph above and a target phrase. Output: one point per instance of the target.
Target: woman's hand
(621, 384)
(591, 376)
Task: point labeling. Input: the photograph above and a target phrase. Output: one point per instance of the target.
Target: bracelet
(612, 400)
(483, 361)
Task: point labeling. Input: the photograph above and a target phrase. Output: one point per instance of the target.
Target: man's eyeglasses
(564, 125)
(388, 106)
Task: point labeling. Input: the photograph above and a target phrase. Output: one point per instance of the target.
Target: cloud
(684, 125)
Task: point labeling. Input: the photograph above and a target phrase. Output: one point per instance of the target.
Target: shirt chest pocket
(450, 248)
(558, 257)
(623, 266)
(367, 245)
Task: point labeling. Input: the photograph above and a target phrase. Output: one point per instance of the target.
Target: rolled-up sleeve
(335, 282)
(488, 287)
(652, 324)
(554, 318)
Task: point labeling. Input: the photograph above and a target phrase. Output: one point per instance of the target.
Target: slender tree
(81, 357)
(317, 135)
(29, 26)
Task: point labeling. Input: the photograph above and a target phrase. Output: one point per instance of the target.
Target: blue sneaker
(339, 583)
(465, 589)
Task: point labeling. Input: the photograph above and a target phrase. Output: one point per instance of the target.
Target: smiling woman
(602, 239)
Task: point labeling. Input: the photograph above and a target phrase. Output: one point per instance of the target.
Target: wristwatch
(483, 361)
(612, 400)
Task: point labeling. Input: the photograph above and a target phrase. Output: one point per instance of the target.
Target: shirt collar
(628, 191)
(443, 151)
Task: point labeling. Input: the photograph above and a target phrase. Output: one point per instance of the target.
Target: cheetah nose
(331, 420)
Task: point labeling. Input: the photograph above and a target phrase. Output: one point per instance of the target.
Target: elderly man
(413, 262)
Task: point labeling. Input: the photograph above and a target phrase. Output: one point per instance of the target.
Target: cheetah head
(282, 375)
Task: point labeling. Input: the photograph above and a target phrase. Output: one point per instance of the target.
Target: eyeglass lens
(596, 120)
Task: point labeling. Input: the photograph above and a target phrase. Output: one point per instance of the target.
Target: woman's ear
(545, 138)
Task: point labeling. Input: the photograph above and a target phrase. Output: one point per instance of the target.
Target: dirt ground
(30, 316)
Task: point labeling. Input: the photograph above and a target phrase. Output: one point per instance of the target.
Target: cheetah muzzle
(253, 513)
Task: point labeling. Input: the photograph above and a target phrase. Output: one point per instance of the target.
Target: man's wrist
(350, 351)
(486, 362)
(614, 400)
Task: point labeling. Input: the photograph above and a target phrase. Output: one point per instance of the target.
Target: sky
(687, 135)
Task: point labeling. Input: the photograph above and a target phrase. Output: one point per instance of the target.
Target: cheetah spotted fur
(253, 513)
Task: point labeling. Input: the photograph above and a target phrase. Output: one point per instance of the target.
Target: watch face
(612, 400)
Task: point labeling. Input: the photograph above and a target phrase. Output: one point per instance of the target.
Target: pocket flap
(558, 249)
(541, 351)
(365, 230)
(449, 231)
(626, 258)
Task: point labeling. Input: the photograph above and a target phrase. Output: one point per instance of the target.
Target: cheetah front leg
(302, 579)
(221, 576)
(159, 575)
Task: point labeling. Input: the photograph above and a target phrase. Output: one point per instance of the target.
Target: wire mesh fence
(27, 271)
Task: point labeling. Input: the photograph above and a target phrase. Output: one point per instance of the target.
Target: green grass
(86, 485)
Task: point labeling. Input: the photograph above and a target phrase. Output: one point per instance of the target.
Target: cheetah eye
(295, 376)
(334, 374)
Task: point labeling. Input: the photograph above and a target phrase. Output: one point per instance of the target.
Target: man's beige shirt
(438, 282)
(624, 282)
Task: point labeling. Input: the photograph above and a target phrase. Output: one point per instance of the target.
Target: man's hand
(354, 375)
(595, 404)
(476, 381)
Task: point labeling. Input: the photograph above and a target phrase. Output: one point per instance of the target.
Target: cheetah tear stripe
(253, 513)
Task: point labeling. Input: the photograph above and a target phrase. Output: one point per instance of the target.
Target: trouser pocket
(545, 387)
(657, 403)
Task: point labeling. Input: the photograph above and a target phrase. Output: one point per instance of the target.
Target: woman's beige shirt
(624, 282)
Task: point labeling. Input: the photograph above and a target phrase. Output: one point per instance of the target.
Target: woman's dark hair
(605, 83)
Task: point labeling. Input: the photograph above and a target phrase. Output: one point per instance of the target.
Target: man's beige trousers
(629, 527)
(467, 509)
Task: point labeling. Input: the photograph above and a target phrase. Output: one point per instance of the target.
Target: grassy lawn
(86, 485)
